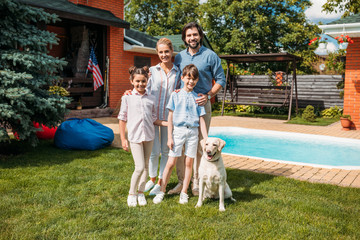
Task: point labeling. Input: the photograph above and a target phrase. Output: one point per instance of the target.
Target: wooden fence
(316, 90)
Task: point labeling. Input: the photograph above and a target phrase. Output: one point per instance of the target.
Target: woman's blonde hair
(164, 41)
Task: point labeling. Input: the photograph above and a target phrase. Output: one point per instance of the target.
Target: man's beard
(194, 46)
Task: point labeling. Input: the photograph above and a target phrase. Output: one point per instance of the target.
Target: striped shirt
(161, 85)
(138, 111)
(187, 112)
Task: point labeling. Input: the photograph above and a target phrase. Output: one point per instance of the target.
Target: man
(209, 66)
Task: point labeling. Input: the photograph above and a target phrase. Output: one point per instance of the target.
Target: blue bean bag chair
(83, 134)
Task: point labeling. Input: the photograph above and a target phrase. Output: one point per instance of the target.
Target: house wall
(120, 83)
(352, 83)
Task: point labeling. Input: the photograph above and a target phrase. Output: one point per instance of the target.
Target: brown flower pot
(345, 123)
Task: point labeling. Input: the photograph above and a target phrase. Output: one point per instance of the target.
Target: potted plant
(345, 122)
(344, 41)
(79, 105)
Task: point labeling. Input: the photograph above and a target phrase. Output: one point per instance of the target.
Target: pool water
(296, 148)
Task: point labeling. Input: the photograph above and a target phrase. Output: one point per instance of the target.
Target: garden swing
(258, 93)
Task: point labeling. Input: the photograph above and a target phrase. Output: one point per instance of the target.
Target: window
(142, 61)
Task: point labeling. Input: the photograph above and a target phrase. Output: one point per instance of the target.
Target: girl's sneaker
(131, 200)
(159, 197)
(184, 198)
(155, 190)
(141, 199)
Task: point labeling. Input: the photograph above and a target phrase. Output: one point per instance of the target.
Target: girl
(163, 81)
(138, 113)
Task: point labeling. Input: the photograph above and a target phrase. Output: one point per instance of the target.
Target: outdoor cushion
(45, 132)
(83, 134)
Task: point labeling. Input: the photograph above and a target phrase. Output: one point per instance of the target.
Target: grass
(317, 122)
(245, 114)
(48, 193)
(294, 119)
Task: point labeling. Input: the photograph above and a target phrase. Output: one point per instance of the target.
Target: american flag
(93, 66)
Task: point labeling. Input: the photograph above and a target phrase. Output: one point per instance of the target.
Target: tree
(347, 6)
(258, 26)
(163, 17)
(26, 72)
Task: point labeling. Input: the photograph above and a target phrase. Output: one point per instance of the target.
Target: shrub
(309, 114)
(253, 109)
(241, 108)
(332, 112)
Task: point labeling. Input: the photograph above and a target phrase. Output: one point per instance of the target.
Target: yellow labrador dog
(212, 173)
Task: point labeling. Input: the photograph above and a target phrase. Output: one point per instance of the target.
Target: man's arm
(203, 98)
(218, 75)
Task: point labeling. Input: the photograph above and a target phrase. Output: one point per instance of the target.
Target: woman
(163, 81)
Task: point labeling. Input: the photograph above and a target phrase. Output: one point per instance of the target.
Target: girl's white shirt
(138, 111)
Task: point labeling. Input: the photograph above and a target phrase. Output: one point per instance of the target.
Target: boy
(185, 117)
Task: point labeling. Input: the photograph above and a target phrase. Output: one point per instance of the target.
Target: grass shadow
(241, 183)
(19, 154)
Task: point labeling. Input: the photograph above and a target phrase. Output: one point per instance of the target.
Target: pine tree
(27, 71)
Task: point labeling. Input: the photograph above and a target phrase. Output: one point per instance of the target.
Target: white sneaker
(155, 190)
(131, 200)
(141, 199)
(149, 185)
(184, 198)
(176, 190)
(159, 197)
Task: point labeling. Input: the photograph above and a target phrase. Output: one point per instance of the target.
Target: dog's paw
(222, 209)
(198, 205)
(233, 199)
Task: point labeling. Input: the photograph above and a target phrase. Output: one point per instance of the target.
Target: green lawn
(48, 193)
(317, 122)
(294, 119)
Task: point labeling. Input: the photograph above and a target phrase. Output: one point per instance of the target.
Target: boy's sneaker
(155, 190)
(176, 190)
(149, 185)
(141, 199)
(131, 200)
(184, 198)
(159, 197)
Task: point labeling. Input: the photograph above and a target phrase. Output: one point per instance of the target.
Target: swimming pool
(293, 148)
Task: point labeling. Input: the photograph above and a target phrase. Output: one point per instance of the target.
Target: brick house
(86, 23)
(349, 26)
(100, 23)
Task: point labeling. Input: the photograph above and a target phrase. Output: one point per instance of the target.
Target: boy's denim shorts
(188, 136)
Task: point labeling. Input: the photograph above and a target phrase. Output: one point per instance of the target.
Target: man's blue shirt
(187, 112)
(208, 64)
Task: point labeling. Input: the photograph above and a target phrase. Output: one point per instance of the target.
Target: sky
(315, 15)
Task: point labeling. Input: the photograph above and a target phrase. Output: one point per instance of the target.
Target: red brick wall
(115, 6)
(352, 83)
(121, 82)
